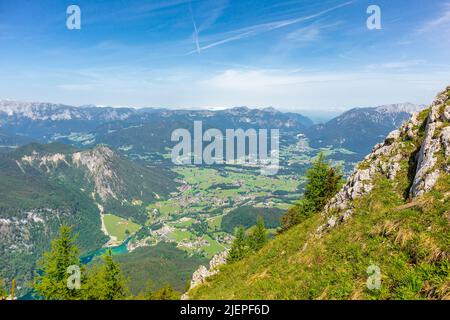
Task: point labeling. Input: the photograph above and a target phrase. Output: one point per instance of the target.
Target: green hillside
(392, 214)
(410, 246)
(44, 186)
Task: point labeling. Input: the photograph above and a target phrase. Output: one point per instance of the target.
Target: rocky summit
(426, 161)
(392, 215)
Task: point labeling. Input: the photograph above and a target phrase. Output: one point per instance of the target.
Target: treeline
(322, 183)
(245, 244)
(61, 276)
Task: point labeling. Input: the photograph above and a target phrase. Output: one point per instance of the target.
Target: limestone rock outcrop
(202, 273)
(437, 136)
(386, 158)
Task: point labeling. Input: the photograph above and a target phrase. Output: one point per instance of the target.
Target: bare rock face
(428, 172)
(202, 273)
(199, 276)
(446, 115)
(44, 161)
(98, 163)
(386, 157)
(218, 260)
(445, 139)
(384, 160)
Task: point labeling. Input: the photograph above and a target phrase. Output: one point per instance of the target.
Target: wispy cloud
(442, 20)
(288, 88)
(405, 64)
(213, 13)
(265, 27)
(77, 87)
(306, 34)
(303, 90)
(131, 12)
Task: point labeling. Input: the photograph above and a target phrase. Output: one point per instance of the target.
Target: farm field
(119, 228)
(211, 201)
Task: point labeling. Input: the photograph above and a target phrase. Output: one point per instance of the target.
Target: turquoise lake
(115, 251)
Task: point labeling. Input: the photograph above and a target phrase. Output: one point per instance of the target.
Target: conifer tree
(51, 279)
(115, 282)
(93, 287)
(239, 247)
(323, 182)
(258, 237)
(105, 281)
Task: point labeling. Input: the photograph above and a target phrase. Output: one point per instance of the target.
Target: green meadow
(119, 227)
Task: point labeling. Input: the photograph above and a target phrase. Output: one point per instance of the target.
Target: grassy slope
(410, 242)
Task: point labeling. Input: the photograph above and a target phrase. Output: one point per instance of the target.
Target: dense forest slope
(44, 186)
(391, 216)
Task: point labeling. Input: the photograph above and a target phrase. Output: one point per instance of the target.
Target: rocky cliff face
(202, 273)
(97, 165)
(98, 162)
(437, 139)
(422, 143)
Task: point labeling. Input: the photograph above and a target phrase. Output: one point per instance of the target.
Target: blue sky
(289, 54)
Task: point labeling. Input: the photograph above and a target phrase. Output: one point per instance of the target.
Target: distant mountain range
(149, 130)
(146, 129)
(40, 111)
(360, 128)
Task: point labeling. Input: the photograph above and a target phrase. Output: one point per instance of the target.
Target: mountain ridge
(392, 215)
(358, 129)
(148, 129)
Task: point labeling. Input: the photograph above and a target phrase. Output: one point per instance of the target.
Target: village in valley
(211, 201)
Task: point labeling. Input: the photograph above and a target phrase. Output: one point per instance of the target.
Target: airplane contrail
(195, 29)
(269, 26)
